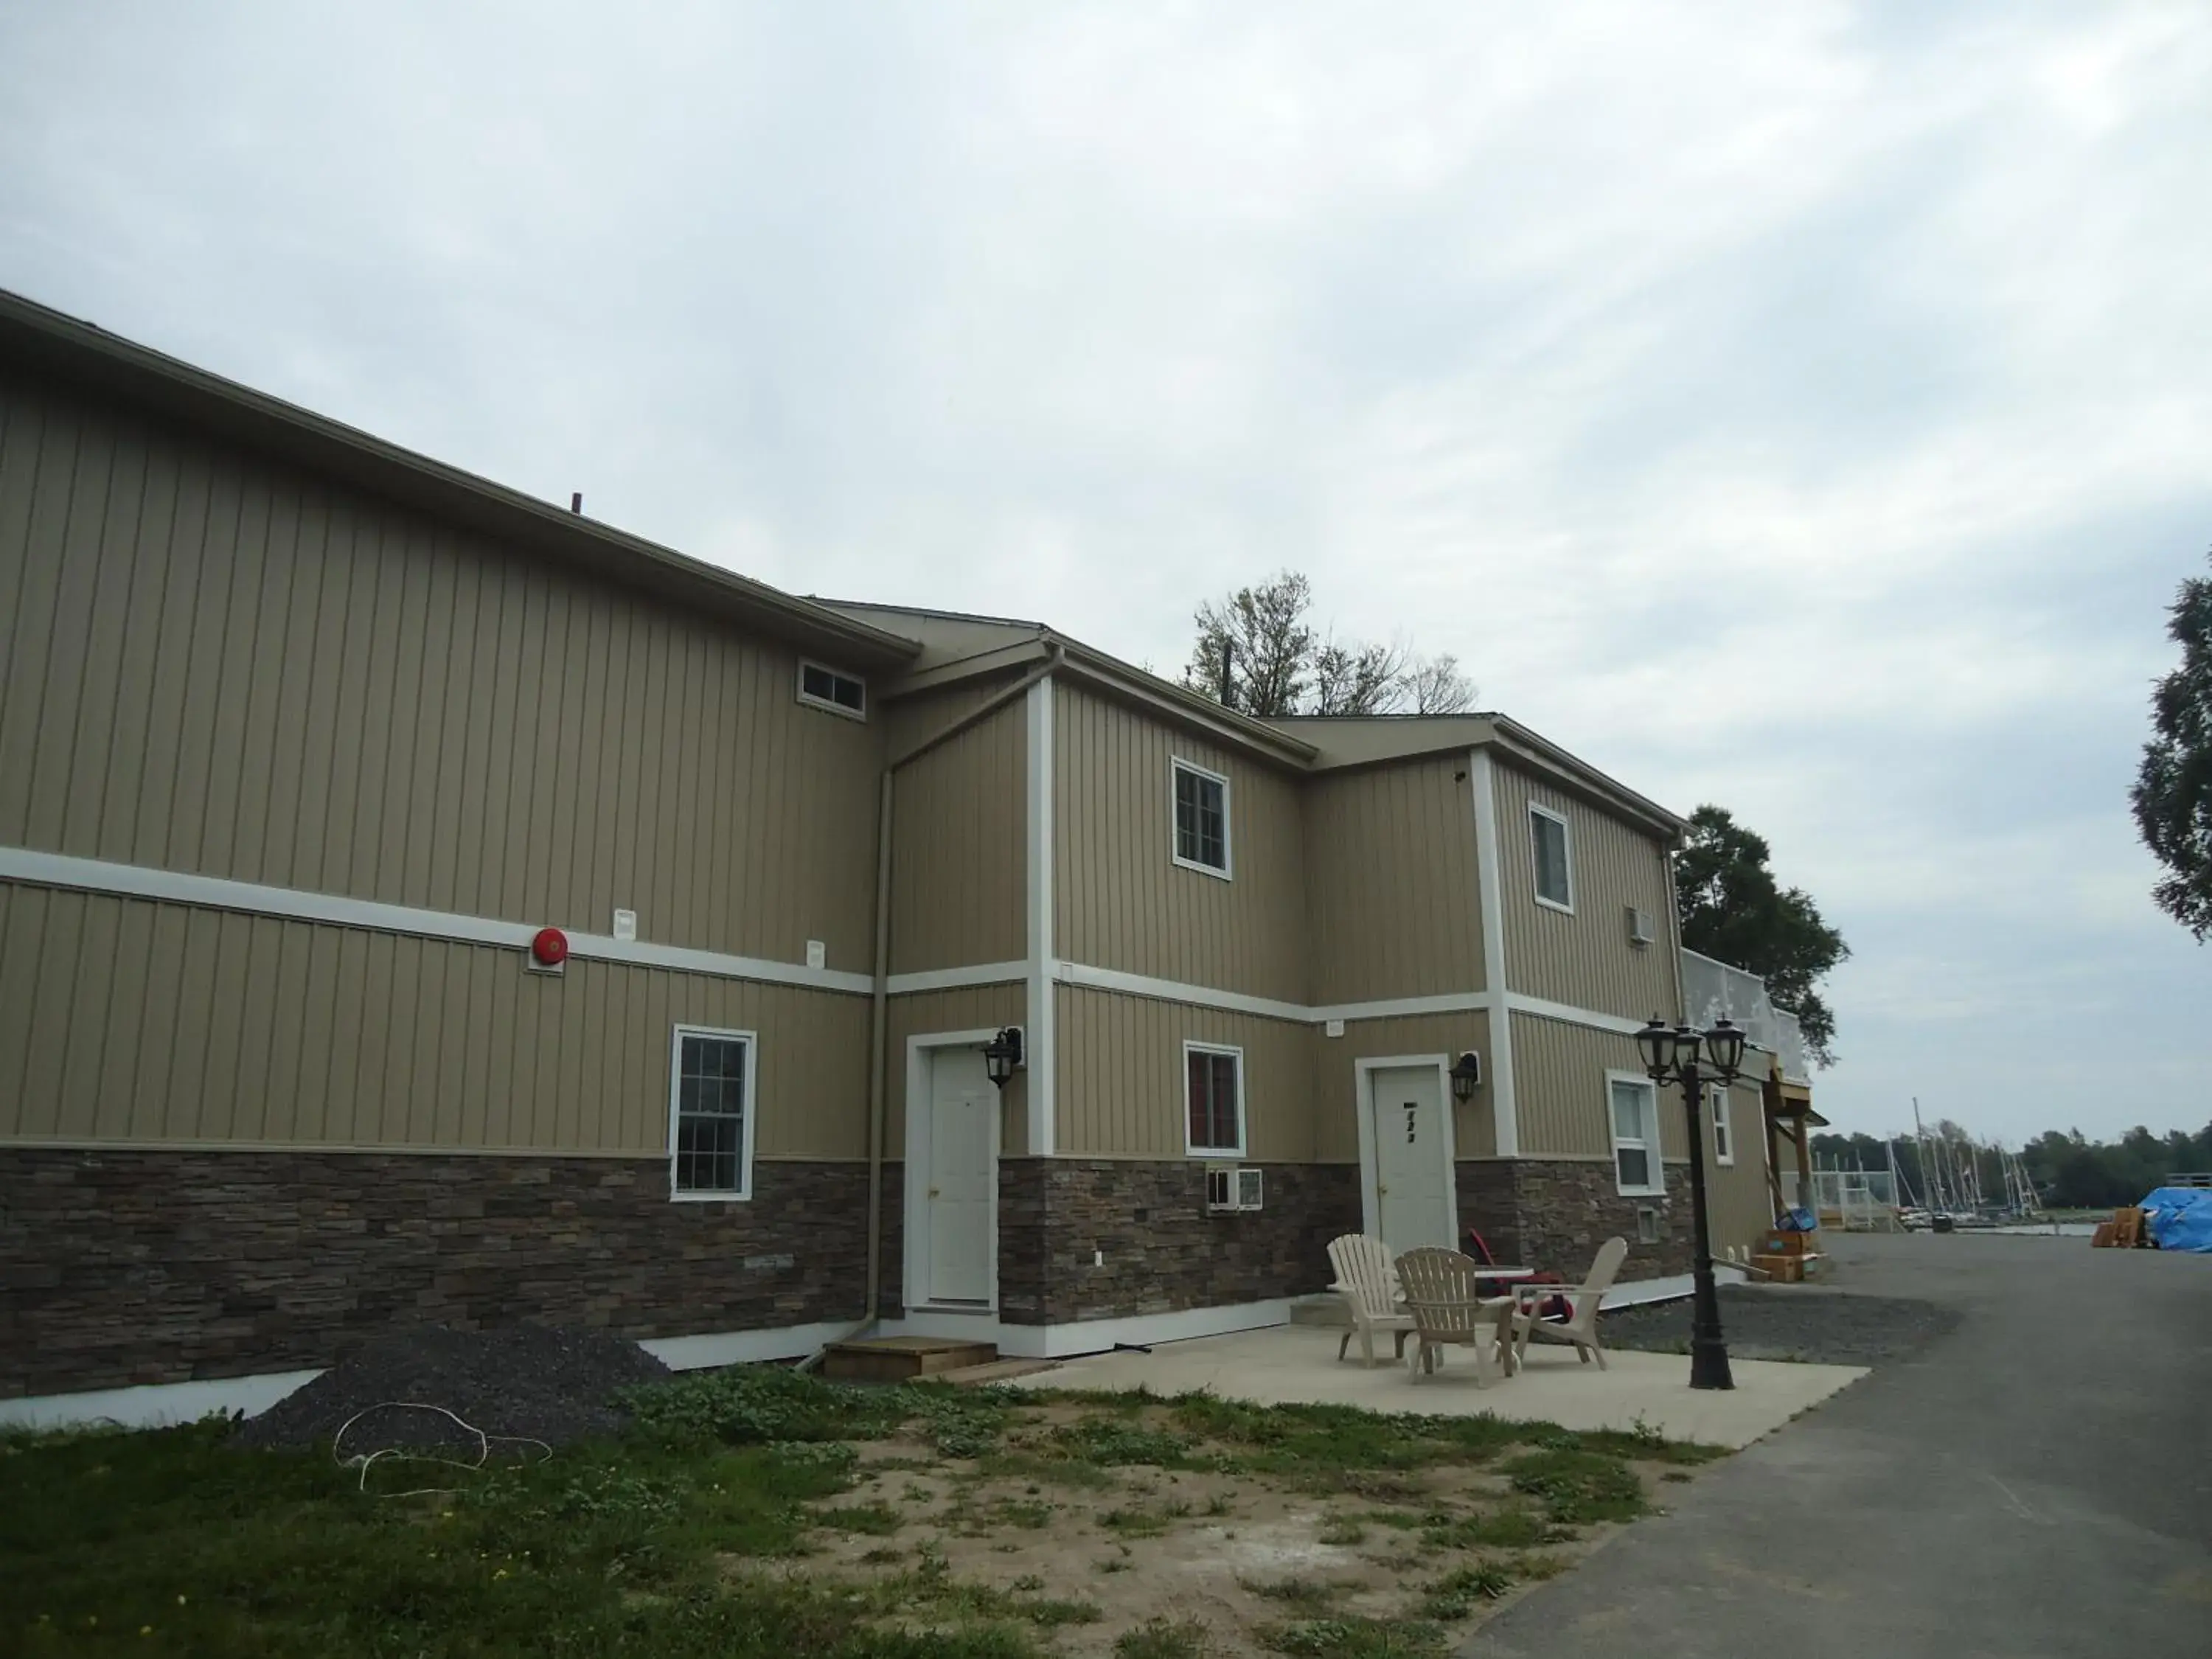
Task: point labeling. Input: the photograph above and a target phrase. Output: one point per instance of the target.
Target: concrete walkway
(1297, 1365)
(2036, 1485)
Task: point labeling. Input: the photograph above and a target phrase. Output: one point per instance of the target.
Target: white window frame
(1227, 869)
(744, 1191)
(1723, 1130)
(1183, 1095)
(829, 705)
(1656, 1161)
(1536, 866)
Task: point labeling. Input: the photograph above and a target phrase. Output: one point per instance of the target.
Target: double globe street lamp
(1671, 1054)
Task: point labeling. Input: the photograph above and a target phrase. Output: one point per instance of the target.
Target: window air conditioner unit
(1230, 1188)
(1639, 926)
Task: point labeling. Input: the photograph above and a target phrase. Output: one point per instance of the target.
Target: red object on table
(1554, 1306)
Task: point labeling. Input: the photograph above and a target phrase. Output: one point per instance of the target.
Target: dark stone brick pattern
(1163, 1252)
(124, 1268)
(1564, 1211)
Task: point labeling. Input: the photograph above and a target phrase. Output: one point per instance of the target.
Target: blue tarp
(2181, 1218)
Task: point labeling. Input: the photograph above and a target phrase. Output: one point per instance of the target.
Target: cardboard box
(1782, 1269)
(1779, 1243)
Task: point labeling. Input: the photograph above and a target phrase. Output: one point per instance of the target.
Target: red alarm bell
(550, 947)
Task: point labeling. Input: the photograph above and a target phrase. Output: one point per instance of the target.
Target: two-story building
(422, 903)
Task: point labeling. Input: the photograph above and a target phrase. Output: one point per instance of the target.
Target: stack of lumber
(2124, 1232)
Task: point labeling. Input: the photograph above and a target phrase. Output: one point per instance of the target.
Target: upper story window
(1554, 850)
(1213, 1090)
(1201, 819)
(710, 1116)
(839, 693)
(1634, 1104)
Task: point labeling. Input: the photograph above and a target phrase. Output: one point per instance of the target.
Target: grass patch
(1311, 1597)
(1343, 1529)
(1052, 1471)
(1356, 1638)
(1577, 1487)
(1111, 1443)
(878, 1518)
(1514, 1527)
(1162, 1638)
(1457, 1594)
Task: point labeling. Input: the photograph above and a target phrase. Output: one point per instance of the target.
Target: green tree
(1734, 910)
(1257, 649)
(2172, 793)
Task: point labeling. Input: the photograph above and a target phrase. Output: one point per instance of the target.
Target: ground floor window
(1213, 1086)
(1723, 1129)
(710, 1113)
(1635, 1107)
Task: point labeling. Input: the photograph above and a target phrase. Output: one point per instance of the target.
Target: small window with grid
(1201, 819)
(1213, 1088)
(710, 1140)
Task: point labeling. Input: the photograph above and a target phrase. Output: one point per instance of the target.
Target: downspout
(879, 999)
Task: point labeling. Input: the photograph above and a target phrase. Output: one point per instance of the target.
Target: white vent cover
(1639, 926)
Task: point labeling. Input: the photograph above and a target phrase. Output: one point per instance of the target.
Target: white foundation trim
(954, 979)
(1039, 1062)
(220, 893)
(1091, 1335)
(1491, 890)
(692, 1353)
(1637, 1292)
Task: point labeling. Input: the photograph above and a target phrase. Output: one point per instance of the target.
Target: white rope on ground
(363, 1460)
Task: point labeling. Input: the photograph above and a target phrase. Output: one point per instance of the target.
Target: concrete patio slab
(1297, 1365)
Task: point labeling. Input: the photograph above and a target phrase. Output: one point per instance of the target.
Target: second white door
(1412, 1158)
(958, 1190)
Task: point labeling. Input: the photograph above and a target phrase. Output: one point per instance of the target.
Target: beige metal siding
(1336, 1089)
(126, 1020)
(1560, 1099)
(1741, 1208)
(221, 666)
(1120, 1080)
(1123, 903)
(972, 1008)
(959, 856)
(1393, 905)
(1584, 960)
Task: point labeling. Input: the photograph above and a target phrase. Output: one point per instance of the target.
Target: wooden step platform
(901, 1359)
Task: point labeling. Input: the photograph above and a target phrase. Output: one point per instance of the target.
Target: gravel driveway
(1804, 1322)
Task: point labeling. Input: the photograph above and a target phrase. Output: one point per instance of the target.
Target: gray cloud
(1801, 408)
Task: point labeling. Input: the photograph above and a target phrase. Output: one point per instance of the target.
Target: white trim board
(1638, 1291)
(956, 979)
(1039, 1037)
(296, 904)
(1087, 977)
(1490, 887)
(1087, 1336)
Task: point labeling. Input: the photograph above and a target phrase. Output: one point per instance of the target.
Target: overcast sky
(1804, 407)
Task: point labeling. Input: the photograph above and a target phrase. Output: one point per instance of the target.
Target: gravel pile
(532, 1381)
(1815, 1325)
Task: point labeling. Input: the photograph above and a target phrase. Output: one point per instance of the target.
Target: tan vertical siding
(1584, 960)
(1560, 1099)
(1120, 1080)
(972, 1008)
(1742, 1205)
(1336, 1087)
(1393, 904)
(959, 853)
(126, 1020)
(221, 666)
(1123, 902)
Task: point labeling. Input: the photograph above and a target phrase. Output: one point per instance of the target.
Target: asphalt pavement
(2035, 1485)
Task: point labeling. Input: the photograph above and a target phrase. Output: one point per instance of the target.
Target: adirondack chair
(1369, 1290)
(1441, 1294)
(1580, 1327)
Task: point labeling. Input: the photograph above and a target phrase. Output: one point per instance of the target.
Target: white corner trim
(1490, 891)
(690, 1353)
(955, 979)
(1041, 1048)
(1571, 1015)
(1168, 990)
(1637, 1292)
(221, 893)
(153, 1405)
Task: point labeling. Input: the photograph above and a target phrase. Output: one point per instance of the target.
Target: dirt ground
(1238, 1552)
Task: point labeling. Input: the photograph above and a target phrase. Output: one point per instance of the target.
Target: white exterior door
(1412, 1159)
(957, 1187)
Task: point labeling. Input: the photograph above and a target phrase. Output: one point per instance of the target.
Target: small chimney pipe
(1228, 675)
(576, 502)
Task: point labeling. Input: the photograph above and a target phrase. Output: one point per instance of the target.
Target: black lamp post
(1670, 1056)
(1002, 1054)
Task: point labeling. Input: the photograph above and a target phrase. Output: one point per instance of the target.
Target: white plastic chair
(1369, 1289)
(1580, 1327)
(1447, 1309)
